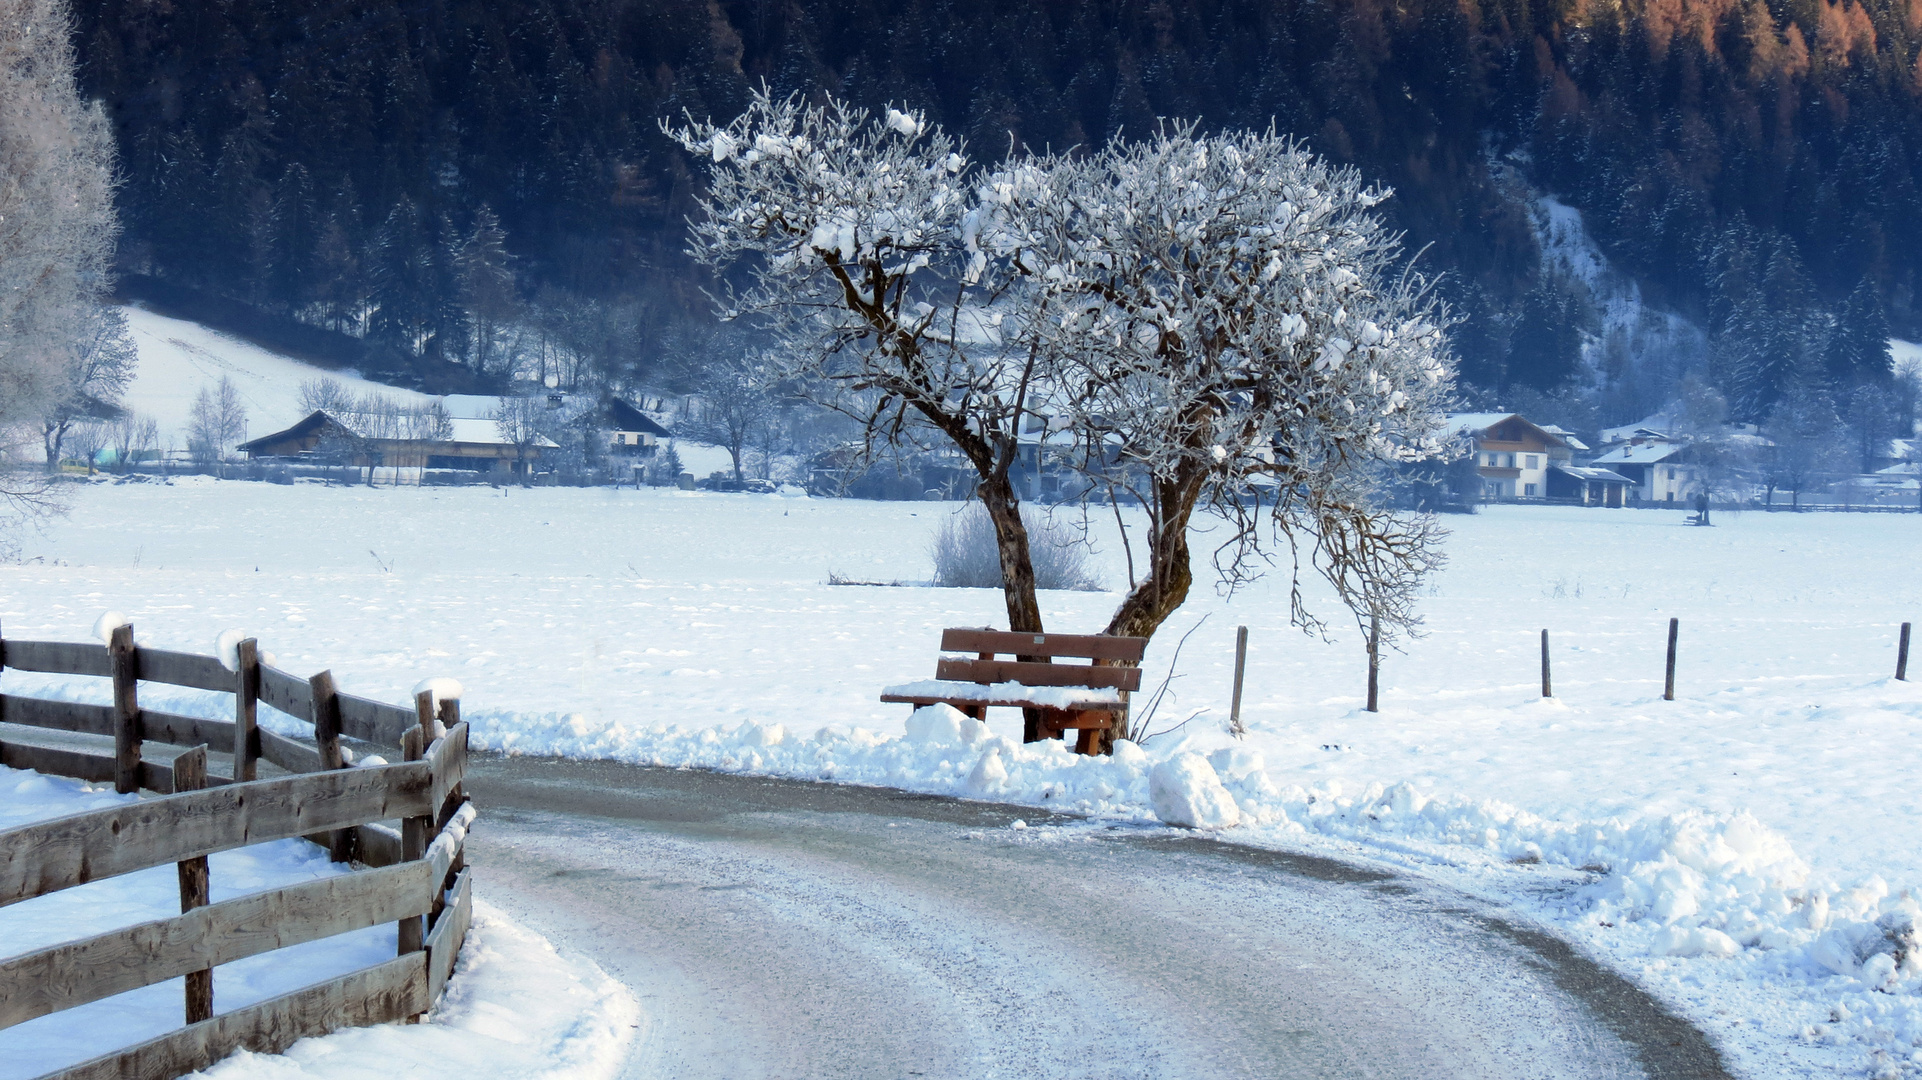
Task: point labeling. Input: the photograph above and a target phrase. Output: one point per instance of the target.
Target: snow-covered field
(1733, 849)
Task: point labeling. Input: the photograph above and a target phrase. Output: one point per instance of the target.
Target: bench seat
(1008, 694)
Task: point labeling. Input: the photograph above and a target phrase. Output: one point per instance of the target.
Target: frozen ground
(1733, 849)
(514, 1008)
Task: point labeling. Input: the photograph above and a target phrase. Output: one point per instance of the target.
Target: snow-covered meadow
(1733, 849)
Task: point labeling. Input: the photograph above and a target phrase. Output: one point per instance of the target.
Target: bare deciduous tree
(217, 423)
(100, 367)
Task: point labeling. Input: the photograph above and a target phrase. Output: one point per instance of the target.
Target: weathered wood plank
(179, 730)
(998, 671)
(286, 693)
(47, 856)
(448, 758)
(58, 657)
(391, 991)
(1092, 646)
(184, 669)
(289, 754)
(76, 972)
(58, 761)
(377, 845)
(447, 936)
(56, 715)
(373, 721)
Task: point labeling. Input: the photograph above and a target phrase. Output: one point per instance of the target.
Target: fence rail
(412, 876)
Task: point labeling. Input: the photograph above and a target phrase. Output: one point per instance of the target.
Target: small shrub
(967, 557)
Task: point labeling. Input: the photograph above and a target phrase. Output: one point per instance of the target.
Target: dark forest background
(482, 187)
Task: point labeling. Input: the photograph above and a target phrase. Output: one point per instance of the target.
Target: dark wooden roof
(316, 421)
(624, 417)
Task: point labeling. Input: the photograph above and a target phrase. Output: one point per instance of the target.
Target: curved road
(785, 929)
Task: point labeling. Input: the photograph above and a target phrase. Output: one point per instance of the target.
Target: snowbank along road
(776, 928)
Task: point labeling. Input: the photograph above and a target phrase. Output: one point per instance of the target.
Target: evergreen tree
(1858, 347)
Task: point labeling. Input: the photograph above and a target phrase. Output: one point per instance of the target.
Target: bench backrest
(985, 668)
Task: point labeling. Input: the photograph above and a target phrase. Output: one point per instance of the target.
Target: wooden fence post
(340, 844)
(1241, 665)
(1374, 661)
(1668, 684)
(1902, 655)
(246, 710)
(126, 710)
(449, 716)
(1548, 688)
(413, 837)
(190, 774)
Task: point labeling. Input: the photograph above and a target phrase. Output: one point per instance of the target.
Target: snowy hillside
(178, 358)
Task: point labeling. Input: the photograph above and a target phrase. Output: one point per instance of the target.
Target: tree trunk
(1017, 567)
(1170, 574)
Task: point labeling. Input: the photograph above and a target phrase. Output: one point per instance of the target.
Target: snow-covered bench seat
(1059, 697)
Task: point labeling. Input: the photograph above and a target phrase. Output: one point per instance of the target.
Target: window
(1534, 461)
(1528, 490)
(1671, 472)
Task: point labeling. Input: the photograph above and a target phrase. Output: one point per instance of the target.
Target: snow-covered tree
(1226, 329)
(57, 225)
(854, 232)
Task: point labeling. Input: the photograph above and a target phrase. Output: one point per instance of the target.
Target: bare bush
(966, 555)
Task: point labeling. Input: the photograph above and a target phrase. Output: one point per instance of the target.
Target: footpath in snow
(1746, 851)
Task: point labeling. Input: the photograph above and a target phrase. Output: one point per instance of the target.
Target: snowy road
(785, 929)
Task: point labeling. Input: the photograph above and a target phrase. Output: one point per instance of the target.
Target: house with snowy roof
(1516, 458)
(1663, 469)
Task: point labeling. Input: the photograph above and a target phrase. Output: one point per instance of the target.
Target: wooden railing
(415, 877)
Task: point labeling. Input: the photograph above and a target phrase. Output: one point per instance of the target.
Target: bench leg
(1088, 742)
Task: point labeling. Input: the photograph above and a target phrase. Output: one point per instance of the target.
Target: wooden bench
(1082, 697)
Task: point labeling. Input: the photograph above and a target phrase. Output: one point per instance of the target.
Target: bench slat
(1091, 715)
(999, 671)
(1092, 646)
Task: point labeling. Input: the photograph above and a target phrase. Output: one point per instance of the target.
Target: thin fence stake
(340, 844)
(1374, 663)
(126, 710)
(1547, 686)
(1902, 655)
(1241, 665)
(1668, 686)
(190, 774)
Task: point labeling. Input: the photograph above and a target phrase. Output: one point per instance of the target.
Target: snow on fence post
(1902, 655)
(1374, 662)
(1547, 686)
(1241, 665)
(246, 709)
(126, 709)
(449, 717)
(190, 774)
(1668, 684)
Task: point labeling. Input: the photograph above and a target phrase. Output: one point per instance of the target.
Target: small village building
(425, 443)
(1662, 468)
(1513, 457)
(627, 431)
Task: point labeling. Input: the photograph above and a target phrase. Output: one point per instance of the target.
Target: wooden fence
(414, 877)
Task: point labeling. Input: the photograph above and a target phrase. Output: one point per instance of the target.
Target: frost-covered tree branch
(857, 238)
(1226, 332)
